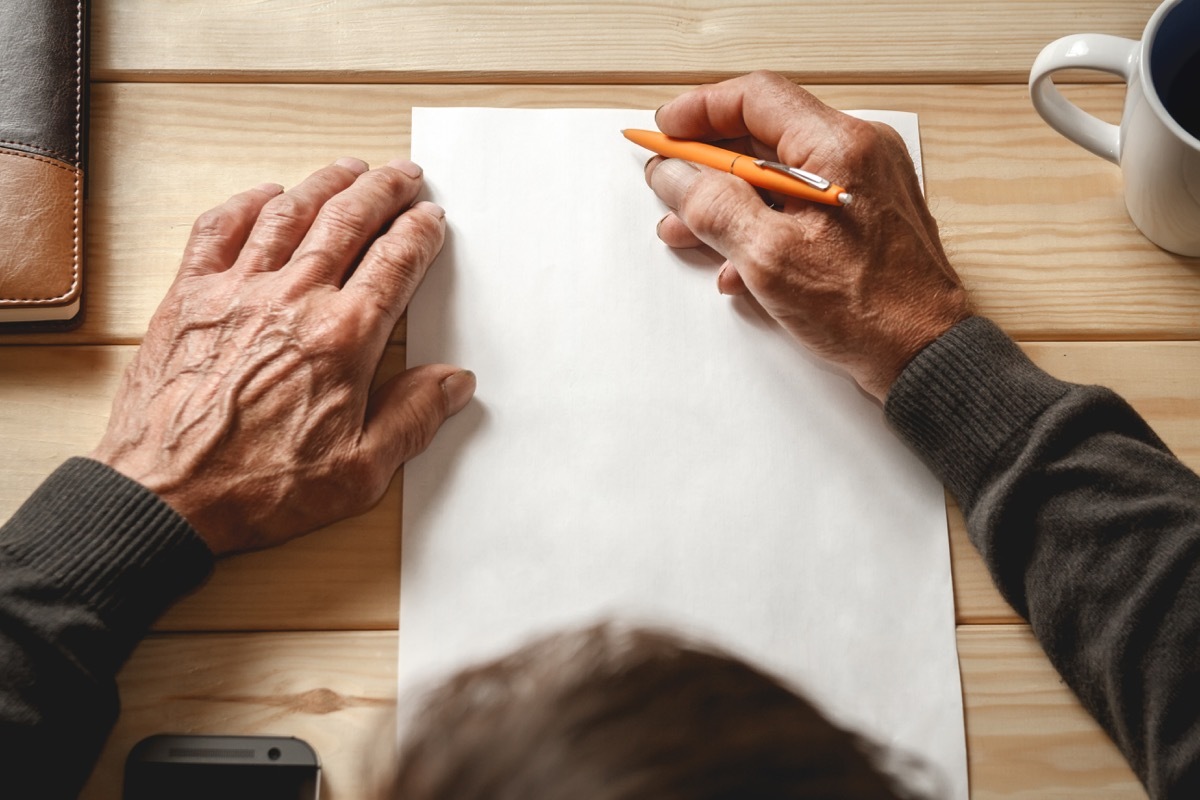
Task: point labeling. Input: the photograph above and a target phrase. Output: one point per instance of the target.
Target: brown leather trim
(41, 226)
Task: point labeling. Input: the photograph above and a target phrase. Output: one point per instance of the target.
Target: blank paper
(642, 447)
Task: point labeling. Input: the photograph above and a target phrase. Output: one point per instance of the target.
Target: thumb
(722, 210)
(406, 411)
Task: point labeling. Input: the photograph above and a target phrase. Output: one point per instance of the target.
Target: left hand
(248, 407)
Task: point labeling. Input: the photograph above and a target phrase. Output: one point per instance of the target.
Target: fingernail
(409, 168)
(672, 178)
(658, 227)
(721, 277)
(355, 165)
(269, 188)
(459, 389)
(430, 207)
(648, 167)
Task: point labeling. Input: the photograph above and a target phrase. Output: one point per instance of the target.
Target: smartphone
(187, 767)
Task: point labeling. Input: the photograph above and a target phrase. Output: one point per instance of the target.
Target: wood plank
(976, 598)
(1158, 379)
(1027, 735)
(1060, 263)
(580, 41)
(337, 691)
(54, 403)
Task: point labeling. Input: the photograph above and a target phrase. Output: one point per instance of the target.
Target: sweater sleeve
(86, 565)
(1089, 525)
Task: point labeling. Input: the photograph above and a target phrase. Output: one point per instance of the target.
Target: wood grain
(1034, 224)
(54, 403)
(337, 691)
(580, 41)
(272, 90)
(1027, 736)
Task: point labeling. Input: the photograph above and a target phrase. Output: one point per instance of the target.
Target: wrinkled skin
(866, 286)
(248, 407)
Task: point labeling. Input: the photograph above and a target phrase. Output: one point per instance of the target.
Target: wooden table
(197, 99)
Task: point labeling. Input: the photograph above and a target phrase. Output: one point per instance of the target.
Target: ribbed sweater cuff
(108, 542)
(964, 398)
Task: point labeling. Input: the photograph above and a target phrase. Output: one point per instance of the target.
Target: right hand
(866, 286)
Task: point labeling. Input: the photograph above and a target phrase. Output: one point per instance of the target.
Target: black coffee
(1182, 96)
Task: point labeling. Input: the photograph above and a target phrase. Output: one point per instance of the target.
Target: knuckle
(414, 245)
(399, 281)
(766, 79)
(711, 207)
(867, 141)
(875, 136)
(285, 213)
(428, 228)
(782, 93)
(345, 217)
(394, 182)
(886, 135)
(398, 251)
(216, 223)
(303, 269)
(768, 250)
(341, 339)
(336, 339)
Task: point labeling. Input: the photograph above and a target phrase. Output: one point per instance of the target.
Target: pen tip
(845, 198)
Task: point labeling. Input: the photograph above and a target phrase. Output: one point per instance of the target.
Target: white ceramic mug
(1159, 157)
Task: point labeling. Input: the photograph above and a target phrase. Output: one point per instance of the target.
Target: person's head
(613, 713)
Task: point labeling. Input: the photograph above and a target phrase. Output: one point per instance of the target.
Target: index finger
(763, 106)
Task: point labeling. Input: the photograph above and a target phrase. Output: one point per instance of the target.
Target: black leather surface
(42, 77)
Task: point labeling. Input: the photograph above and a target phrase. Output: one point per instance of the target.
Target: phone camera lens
(274, 754)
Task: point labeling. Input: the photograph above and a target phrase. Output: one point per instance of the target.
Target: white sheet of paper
(645, 448)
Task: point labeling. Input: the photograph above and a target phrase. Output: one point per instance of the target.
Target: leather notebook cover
(43, 139)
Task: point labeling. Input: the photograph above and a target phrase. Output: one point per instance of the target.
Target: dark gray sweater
(1091, 529)
(86, 565)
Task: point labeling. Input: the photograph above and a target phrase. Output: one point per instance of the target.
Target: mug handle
(1097, 51)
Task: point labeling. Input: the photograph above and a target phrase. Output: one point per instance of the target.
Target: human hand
(866, 286)
(248, 408)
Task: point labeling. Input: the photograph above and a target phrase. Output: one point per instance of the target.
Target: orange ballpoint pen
(769, 175)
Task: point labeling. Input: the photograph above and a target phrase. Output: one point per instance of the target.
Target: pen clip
(815, 181)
